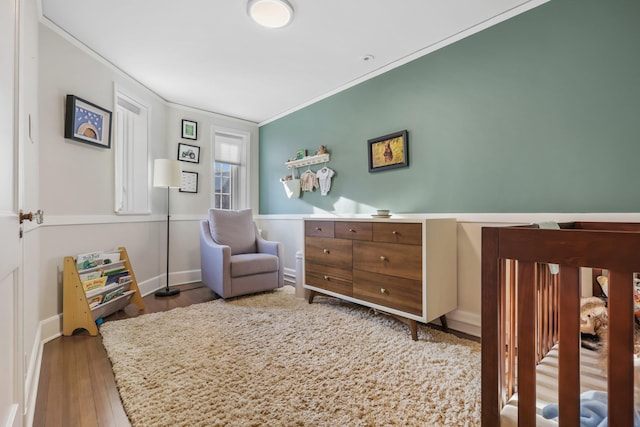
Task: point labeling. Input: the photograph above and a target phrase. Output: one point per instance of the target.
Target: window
(131, 158)
(229, 170)
(224, 182)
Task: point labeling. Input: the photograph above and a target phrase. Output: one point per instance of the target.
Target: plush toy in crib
(593, 410)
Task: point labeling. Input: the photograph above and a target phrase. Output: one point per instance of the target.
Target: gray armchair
(234, 259)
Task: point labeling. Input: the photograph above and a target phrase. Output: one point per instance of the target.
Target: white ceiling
(210, 55)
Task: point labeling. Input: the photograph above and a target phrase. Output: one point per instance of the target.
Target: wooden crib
(527, 312)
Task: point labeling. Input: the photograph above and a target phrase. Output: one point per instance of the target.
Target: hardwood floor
(77, 387)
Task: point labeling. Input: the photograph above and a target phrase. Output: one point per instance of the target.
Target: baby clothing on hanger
(308, 181)
(324, 178)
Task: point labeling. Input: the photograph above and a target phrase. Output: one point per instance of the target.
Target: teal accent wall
(540, 113)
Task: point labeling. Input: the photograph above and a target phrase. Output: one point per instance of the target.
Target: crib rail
(526, 310)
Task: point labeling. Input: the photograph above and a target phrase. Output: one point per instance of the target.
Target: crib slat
(569, 352)
(620, 336)
(491, 371)
(511, 367)
(526, 344)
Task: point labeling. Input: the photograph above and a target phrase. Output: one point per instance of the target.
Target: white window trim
(121, 91)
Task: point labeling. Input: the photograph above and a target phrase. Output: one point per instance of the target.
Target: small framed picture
(301, 154)
(189, 182)
(388, 152)
(188, 153)
(189, 129)
(87, 122)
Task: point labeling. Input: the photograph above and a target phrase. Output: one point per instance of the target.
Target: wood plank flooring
(77, 387)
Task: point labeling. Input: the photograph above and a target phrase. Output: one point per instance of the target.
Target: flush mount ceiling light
(270, 13)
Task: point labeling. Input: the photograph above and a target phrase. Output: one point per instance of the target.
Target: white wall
(76, 180)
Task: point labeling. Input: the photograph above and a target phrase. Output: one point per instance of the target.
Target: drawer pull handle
(318, 229)
(383, 258)
(383, 291)
(326, 251)
(352, 230)
(395, 233)
(326, 277)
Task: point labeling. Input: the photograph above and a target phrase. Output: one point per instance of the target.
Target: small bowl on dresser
(381, 213)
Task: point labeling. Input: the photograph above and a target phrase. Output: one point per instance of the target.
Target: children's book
(113, 294)
(95, 301)
(100, 282)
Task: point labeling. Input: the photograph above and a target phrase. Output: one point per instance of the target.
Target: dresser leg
(311, 295)
(443, 321)
(413, 325)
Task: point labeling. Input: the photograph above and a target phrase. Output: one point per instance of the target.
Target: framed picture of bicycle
(188, 153)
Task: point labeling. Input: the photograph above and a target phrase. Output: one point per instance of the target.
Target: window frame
(139, 171)
(241, 184)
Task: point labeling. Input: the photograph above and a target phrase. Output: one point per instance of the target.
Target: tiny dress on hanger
(324, 179)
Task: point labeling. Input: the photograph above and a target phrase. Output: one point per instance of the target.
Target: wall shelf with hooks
(308, 161)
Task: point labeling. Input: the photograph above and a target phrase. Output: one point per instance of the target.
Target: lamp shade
(270, 13)
(167, 173)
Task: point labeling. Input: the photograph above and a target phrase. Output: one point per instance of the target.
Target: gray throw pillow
(234, 229)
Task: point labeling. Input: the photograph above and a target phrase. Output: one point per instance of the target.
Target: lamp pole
(167, 292)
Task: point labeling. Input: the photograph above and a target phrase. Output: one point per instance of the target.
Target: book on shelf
(95, 301)
(113, 294)
(115, 277)
(100, 282)
(94, 259)
(91, 275)
(123, 280)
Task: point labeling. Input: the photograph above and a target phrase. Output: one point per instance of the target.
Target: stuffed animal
(593, 316)
(593, 410)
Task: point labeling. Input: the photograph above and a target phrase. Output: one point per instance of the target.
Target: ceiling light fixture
(270, 13)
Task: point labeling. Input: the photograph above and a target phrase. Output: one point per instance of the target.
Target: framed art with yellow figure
(388, 152)
(86, 122)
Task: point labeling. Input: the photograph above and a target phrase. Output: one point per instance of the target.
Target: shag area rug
(274, 360)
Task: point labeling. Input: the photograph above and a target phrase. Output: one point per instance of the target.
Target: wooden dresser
(404, 267)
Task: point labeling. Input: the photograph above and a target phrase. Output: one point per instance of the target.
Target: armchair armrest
(215, 262)
(272, 248)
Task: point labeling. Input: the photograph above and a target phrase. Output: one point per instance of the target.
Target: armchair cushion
(234, 229)
(248, 264)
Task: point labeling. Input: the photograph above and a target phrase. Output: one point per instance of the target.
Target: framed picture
(189, 182)
(86, 122)
(388, 152)
(189, 129)
(188, 153)
(301, 154)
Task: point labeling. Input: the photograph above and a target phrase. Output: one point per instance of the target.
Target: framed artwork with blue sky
(87, 122)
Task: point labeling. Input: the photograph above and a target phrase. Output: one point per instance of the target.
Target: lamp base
(167, 292)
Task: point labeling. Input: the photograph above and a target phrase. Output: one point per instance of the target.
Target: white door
(11, 366)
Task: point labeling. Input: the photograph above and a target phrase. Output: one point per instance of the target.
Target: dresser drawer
(353, 230)
(327, 251)
(332, 279)
(318, 228)
(397, 232)
(394, 292)
(392, 259)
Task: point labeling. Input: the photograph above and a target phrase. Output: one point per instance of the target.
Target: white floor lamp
(167, 173)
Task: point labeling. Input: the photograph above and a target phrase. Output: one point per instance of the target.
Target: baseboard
(464, 321)
(179, 278)
(32, 378)
(290, 276)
